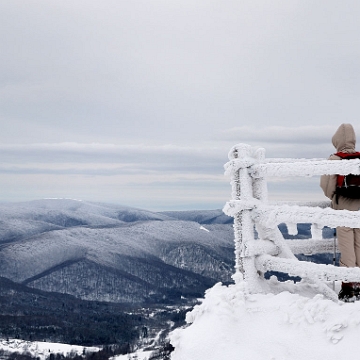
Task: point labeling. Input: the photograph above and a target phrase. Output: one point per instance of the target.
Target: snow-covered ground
(138, 355)
(42, 350)
(281, 325)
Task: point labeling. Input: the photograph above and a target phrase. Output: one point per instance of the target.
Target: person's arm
(328, 182)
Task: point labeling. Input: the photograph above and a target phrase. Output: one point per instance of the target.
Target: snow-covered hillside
(291, 322)
(112, 253)
(200, 216)
(21, 220)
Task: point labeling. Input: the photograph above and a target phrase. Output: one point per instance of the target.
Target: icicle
(316, 231)
(292, 229)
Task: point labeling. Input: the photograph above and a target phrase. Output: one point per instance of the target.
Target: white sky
(138, 102)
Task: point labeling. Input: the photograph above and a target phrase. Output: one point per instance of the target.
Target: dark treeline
(75, 329)
(104, 354)
(163, 353)
(34, 315)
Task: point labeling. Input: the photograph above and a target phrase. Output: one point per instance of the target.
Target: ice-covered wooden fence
(249, 206)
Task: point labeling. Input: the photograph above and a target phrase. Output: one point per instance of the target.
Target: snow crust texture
(230, 323)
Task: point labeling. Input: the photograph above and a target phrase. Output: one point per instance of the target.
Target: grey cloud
(310, 141)
(36, 170)
(89, 152)
(109, 160)
(296, 189)
(200, 76)
(137, 69)
(137, 170)
(310, 134)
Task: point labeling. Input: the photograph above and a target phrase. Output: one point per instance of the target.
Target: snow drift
(230, 323)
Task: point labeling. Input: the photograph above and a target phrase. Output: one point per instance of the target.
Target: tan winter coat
(344, 140)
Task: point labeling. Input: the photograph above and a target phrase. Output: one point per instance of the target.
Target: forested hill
(113, 253)
(32, 314)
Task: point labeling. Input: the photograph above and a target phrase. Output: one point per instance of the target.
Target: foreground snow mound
(232, 324)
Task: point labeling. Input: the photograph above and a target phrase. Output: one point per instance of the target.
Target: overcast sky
(137, 102)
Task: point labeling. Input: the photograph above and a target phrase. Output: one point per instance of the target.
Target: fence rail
(249, 206)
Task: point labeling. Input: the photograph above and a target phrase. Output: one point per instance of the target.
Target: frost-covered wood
(307, 269)
(320, 204)
(302, 168)
(311, 246)
(309, 168)
(269, 215)
(249, 206)
(306, 247)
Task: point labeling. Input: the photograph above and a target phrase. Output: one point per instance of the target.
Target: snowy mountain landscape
(87, 263)
(160, 164)
(68, 254)
(108, 253)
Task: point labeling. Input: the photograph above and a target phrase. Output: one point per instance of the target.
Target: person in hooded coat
(344, 140)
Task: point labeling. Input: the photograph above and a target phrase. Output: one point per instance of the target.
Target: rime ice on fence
(249, 169)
